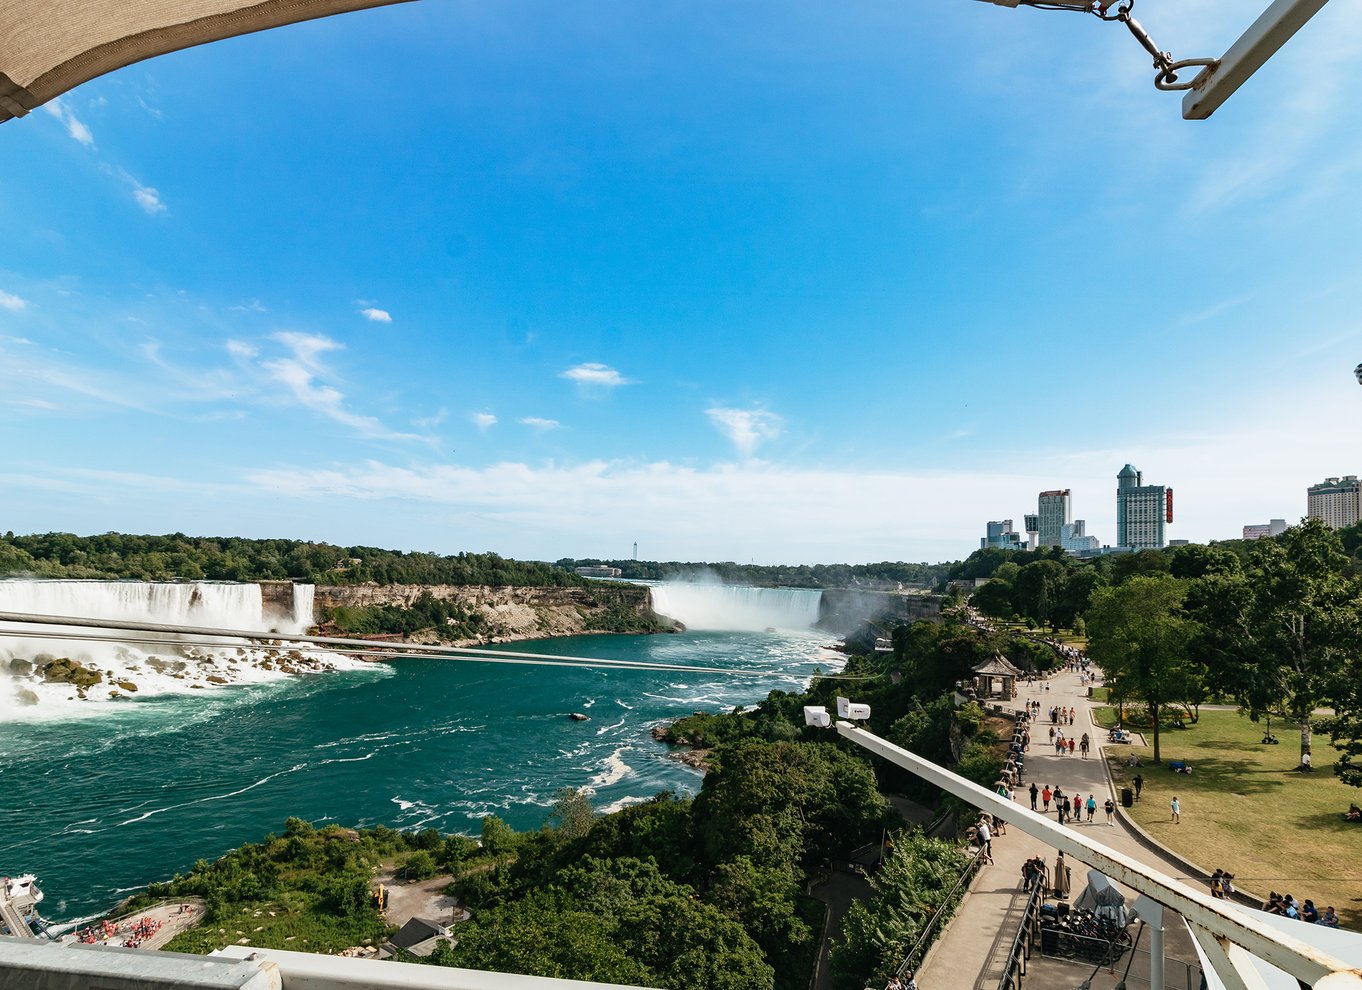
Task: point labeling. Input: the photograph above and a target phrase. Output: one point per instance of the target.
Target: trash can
(1127, 797)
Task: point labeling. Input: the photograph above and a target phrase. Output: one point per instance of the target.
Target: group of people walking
(1070, 809)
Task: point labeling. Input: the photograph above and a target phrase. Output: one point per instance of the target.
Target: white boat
(19, 897)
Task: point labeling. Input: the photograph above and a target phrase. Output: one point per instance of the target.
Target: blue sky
(774, 282)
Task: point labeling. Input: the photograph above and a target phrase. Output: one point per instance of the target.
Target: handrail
(1015, 956)
(949, 901)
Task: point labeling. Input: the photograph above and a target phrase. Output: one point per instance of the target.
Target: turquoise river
(100, 805)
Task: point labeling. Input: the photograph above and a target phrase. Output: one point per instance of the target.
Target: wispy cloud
(249, 306)
(299, 373)
(147, 198)
(537, 423)
(746, 429)
(594, 377)
(241, 350)
(78, 131)
(376, 315)
(484, 420)
(12, 302)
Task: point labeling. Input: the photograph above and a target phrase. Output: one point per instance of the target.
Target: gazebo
(996, 678)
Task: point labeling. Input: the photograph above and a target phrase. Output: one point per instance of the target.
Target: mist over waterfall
(736, 607)
(45, 670)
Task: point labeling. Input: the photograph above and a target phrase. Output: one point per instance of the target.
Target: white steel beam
(1222, 919)
(1217, 83)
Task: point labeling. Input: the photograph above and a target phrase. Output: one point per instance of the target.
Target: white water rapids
(27, 690)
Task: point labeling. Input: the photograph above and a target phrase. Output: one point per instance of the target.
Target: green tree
(1139, 635)
(1038, 589)
(994, 599)
(572, 815)
(1280, 635)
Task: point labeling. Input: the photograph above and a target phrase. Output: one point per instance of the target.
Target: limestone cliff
(509, 613)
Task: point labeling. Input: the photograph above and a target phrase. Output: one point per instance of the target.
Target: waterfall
(198, 603)
(303, 617)
(735, 607)
(165, 663)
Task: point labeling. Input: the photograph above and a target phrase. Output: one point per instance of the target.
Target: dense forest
(192, 558)
(887, 575)
(680, 893)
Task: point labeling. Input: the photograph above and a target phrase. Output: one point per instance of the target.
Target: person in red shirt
(1045, 796)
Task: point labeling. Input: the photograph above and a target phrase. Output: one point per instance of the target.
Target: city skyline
(721, 284)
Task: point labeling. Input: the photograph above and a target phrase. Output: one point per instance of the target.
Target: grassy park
(1246, 810)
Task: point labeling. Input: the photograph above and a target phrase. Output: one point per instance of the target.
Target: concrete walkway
(971, 953)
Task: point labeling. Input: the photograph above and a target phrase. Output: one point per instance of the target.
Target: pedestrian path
(970, 955)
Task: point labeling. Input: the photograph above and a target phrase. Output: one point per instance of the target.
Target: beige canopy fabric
(50, 46)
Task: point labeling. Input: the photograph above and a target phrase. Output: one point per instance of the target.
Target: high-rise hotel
(1337, 501)
(1141, 511)
(1053, 513)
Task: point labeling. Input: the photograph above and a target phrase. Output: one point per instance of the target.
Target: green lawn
(1246, 810)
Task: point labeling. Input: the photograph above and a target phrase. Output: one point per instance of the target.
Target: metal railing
(947, 908)
(1015, 967)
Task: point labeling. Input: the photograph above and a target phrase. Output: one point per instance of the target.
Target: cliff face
(508, 613)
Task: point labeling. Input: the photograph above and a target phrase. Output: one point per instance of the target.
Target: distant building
(1031, 523)
(1001, 536)
(1073, 538)
(1052, 515)
(1179, 543)
(1141, 511)
(1336, 501)
(1258, 531)
(598, 571)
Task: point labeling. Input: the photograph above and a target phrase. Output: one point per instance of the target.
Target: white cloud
(430, 422)
(42, 404)
(537, 423)
(299, 372)
(250, 306)
(241, 350)
(74, 127)
(484, 420)
(11, 302)
(746, 429)
(595, 377)
(376, 315)
(147, 198)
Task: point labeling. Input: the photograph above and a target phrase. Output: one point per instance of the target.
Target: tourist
(1216, 889)
(1078, 808)
(1092, 807)
(1083, 745)
(1309, 913)
(1139, 785)
(1035, 791)
(1045, 796)
(1176, 809)
(1328, 919)
(985, 838)
(1353, 814)
(1071, 747)
(910, 983)
(1110, 808)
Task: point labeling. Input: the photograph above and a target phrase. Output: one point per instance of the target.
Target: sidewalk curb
(1152, 844)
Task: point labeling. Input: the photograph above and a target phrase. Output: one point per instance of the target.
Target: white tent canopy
(50, 46)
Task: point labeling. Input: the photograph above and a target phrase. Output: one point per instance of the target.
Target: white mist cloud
(537, 423)
(595, 377)
(746, 429)
(241, 350)
(12, 302)
(483, 420)
(376, 315)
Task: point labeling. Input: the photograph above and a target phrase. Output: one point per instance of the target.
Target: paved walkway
(971, 953)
